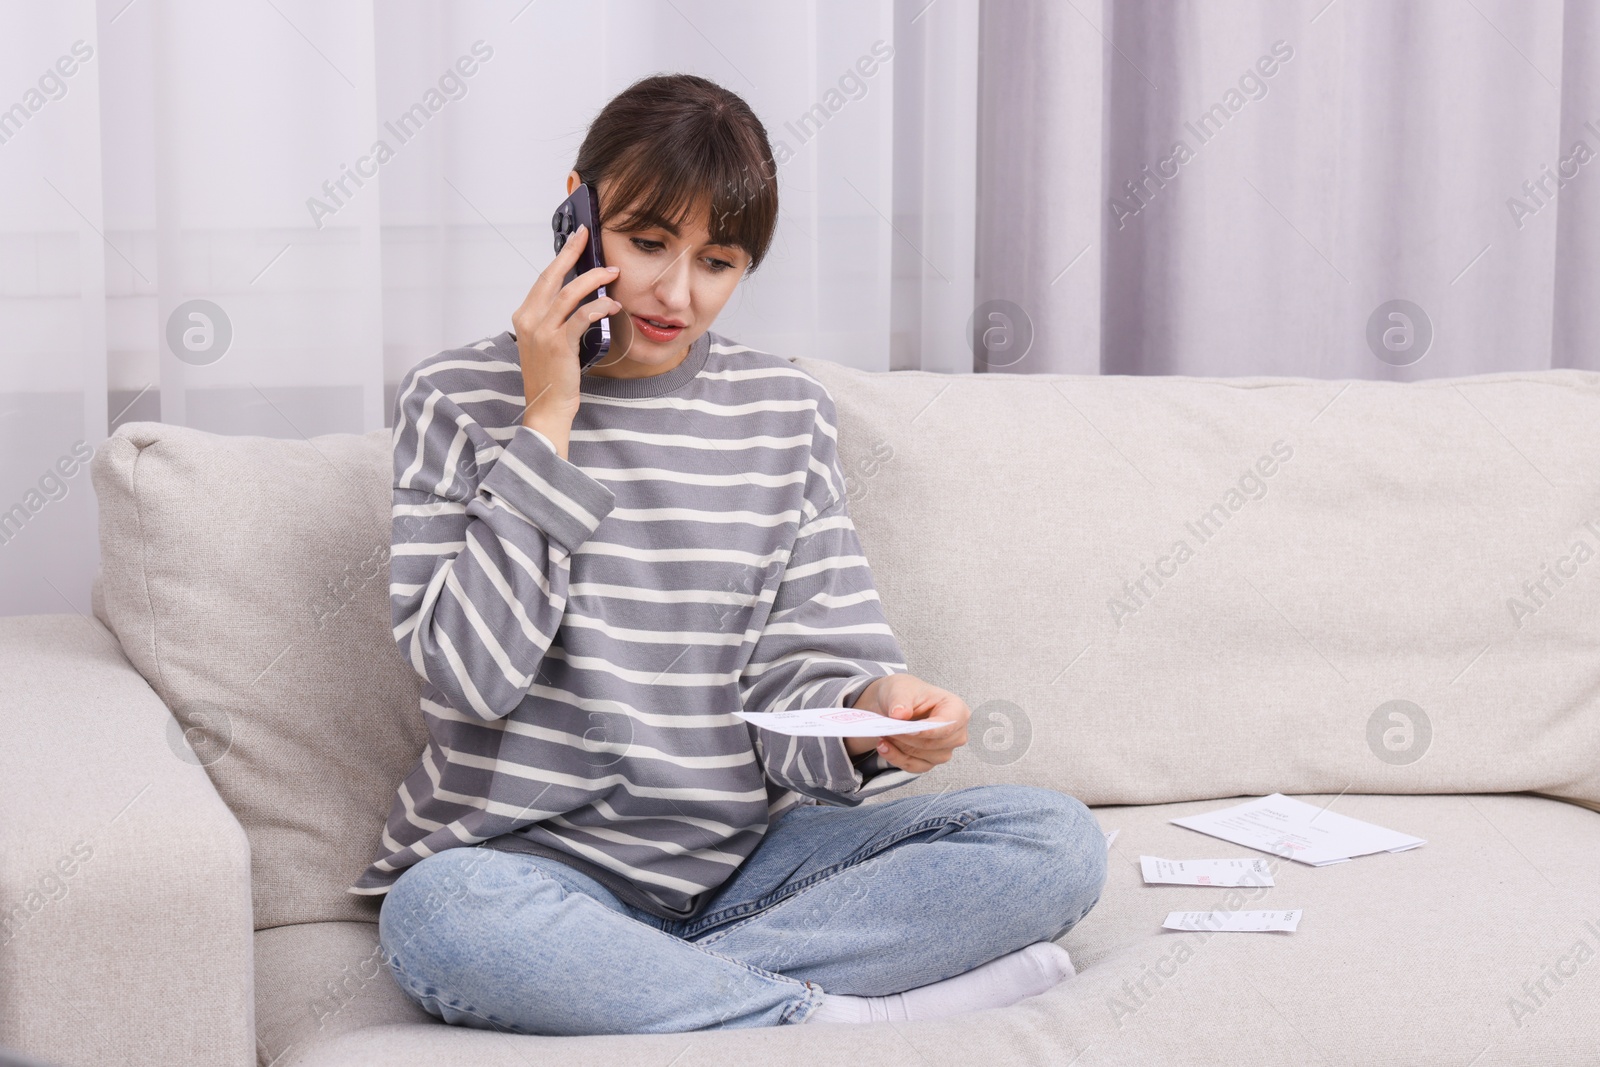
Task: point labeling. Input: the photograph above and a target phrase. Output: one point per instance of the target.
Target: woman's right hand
(548, 333)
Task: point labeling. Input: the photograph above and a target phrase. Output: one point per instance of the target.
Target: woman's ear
(573, 181)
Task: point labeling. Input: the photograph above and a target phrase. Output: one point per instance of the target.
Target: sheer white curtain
(253, 216)
(1339, 155)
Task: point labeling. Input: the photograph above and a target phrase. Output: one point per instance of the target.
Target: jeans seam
(757, 971)
(732, 927)
(417, 991)
(809, 1003)
(751, 909)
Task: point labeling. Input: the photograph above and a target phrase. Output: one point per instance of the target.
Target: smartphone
(582, 208)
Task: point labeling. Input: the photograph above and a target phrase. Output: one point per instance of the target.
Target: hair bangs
(672, 146)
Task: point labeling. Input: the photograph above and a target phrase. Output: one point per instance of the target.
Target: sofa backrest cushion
(1148, 590)
(247, 579)
(1171, 589)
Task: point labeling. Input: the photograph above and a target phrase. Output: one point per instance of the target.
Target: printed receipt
(835, 722)
(1205, 872)
(1233, 921)
(1299, 831)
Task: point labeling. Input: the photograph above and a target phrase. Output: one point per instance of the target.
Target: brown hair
(672, 142)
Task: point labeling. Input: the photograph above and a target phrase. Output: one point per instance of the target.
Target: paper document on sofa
(835, 722)
(1233, 921)
(1299, 831)
(1204, 872)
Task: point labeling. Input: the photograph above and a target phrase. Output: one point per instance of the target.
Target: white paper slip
(1233, 921)
(1299, 831)
(1111, 835)
(835, 722)
(1205, 872)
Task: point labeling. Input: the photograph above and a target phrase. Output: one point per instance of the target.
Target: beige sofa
(197, 772)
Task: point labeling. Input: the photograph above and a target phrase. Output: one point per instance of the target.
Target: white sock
(1021, 974)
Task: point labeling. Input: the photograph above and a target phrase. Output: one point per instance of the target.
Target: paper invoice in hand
(835, 722)
(1299, 831)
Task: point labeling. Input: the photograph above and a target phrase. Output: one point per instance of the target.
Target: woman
(591, 572)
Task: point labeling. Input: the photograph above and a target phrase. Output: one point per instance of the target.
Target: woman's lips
(653, 332)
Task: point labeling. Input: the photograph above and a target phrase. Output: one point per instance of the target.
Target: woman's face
(678, 280)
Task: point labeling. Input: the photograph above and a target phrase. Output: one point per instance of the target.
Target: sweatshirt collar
(636, 388)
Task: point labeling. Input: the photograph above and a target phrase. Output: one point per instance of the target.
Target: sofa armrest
(125, 922)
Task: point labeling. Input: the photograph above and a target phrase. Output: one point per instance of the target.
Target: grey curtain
(1354, 189)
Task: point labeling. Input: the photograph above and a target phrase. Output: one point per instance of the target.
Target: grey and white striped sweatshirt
(586, 627)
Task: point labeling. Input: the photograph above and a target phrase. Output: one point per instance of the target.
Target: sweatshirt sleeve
(481, 538)
(825, 640)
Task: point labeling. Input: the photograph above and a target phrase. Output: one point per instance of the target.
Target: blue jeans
(868, 900)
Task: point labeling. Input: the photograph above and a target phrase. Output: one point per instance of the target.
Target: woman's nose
(672, 287)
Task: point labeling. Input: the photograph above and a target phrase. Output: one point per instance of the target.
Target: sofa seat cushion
(317, 981)
(1481, 946)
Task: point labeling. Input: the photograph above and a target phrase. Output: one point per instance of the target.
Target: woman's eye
(719, 265)
(644, 245)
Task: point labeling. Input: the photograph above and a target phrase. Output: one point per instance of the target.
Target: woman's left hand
(905, 696)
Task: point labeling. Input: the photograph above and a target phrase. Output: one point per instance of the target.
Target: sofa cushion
(247, 580)
(317, 981)
(1392, 963)
(1340, 580)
